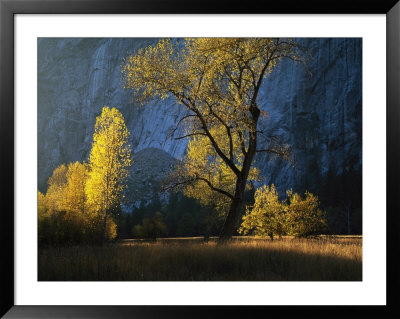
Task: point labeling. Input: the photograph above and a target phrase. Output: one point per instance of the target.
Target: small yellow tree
(75, 195)
(55, 195)
(42, 206)
(266, 216)
(60, 211)
(109, 160)
(303, 215)
(64, 217)
(294, 216)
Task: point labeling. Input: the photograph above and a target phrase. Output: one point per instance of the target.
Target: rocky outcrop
(317, 110)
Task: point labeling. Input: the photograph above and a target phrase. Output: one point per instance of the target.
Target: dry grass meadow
(187, 259)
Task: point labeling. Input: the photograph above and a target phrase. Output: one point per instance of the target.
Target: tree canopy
(218, 80)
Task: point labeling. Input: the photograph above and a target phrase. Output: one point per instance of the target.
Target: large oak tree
(218, 80)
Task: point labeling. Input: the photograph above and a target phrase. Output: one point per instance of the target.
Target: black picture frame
(8, 8)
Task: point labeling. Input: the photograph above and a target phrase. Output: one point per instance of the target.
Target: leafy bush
(304, 218)
(266, 216)
(294, 216)
(151, 228)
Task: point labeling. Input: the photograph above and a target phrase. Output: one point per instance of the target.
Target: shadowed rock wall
(318, 110)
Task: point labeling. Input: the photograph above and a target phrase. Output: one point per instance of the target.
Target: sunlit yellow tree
(266, 216)
(295, 215)
(61, 218)
(43, 217)
(42, 205)
(218, 80)
(109, 160)
(57, 183)
(304, 217)
(75, 195)
(206, 176)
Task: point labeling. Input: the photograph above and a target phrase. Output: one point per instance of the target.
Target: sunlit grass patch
(326, 259)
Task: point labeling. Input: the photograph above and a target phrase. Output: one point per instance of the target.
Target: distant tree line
(263, 214)
(341, 198)
(179, 217)
(65, 216)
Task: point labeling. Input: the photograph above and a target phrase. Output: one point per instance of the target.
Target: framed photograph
(166, 159)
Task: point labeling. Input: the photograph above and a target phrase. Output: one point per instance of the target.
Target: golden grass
(246, 259)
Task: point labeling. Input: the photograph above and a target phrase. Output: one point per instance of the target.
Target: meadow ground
(333, 258)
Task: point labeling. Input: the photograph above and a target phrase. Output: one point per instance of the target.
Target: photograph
(186, 159)
(199, 159)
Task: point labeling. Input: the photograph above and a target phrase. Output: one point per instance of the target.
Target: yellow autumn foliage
(207, 170)
(304, 217)
(57, 183)
(218, 81)
(75, 196)
(296, 216)
(109, 160)
(75, 208)
(266, 216)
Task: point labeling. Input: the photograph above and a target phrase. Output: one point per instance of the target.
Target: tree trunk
(233, 216)
(232, 219)
(104, 230)
(230, 222)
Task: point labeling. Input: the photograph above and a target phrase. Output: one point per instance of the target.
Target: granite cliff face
(318, 111)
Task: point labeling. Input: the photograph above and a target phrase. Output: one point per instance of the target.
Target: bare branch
(282, 151)
(219, 190)
(242, 145)
(188, 103)
(194, 179)
(230, 163)
(228, 130)
(272, 151)
(173, 186)
(172, 133)
(188, 135)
